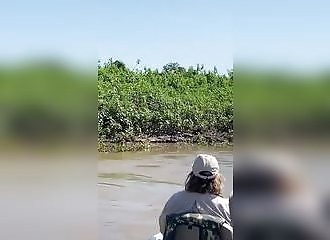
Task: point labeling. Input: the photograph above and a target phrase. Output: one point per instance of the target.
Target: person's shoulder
(221, 200)
(182, 195)
(179, 194)
(175, 198)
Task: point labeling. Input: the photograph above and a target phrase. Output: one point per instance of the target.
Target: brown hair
(199, 185)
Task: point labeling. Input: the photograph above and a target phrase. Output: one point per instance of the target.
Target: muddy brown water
(134, 186)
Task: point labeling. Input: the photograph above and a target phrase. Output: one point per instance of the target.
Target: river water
(134, 186)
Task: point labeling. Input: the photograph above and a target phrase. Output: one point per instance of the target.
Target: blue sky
(159, 32)
(288, 34)
(58, 29)
(156, 32)
(189, 32)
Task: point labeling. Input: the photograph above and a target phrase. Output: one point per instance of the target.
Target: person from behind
(202, 193)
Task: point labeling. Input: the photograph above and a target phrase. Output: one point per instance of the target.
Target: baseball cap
(205, 166)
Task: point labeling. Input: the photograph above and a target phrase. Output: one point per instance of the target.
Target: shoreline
(145, 143)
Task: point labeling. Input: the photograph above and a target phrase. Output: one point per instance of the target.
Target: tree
(118, 64)
(173, 67)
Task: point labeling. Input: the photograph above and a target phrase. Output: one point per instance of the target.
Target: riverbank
(162, 142)
(138, 108)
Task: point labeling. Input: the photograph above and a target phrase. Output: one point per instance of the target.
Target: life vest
(195, 226)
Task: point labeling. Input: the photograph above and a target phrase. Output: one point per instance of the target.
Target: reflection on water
(133, 191)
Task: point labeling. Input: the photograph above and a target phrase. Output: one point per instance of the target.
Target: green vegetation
(282, 106)
(46, 103)
(172, 105)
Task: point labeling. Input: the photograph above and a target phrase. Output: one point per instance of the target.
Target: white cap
(205, 166)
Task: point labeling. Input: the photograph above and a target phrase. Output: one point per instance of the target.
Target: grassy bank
(169, 105)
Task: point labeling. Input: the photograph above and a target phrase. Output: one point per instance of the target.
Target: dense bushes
(175, 101)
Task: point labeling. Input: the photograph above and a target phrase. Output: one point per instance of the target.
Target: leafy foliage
(174, 101)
